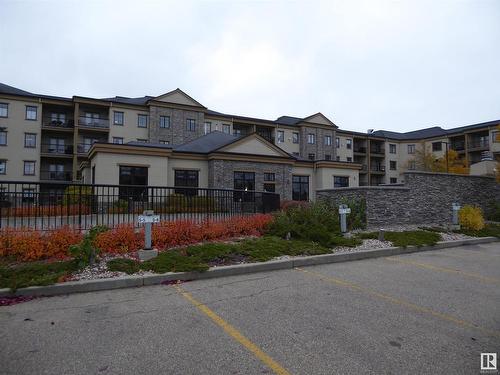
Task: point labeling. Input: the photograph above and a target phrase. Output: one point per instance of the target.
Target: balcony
(93, 123)
(360, 150)
(364, 168)
(57, 150)
(458, 145)
(377, 168)
(479, 144)
(379, 151)
(56, 175)
(58, 123)
(83, 148)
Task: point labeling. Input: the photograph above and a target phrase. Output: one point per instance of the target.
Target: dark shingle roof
(134, 101)
(147, 144)
(207, 143)
(288, 120)
(6, 89)
(435, 131)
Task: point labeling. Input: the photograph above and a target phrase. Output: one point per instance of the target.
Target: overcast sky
(395, 65)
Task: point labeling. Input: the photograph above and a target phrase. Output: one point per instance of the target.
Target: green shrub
(471, 218)
(494, 211)
(78, 195)
(403, 239)
(489, 230)
(128, 266)
(357, 218)
(86, 252)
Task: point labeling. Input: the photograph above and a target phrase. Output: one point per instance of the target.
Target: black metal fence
(45, 206)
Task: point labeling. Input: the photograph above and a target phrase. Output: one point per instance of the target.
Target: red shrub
(285, 205)
(58, 241)
(52, 210)
(121, 239)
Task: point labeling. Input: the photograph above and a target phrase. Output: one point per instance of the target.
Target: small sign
(344, 210)
(142, 219)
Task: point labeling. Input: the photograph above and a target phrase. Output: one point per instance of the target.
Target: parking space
(430, 312)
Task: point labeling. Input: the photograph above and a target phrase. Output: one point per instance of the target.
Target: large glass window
(311, 138)
(437, 146)
(165, 122)
(29, 168)
(244, 181)
(118, 118)
(4, 110)
(142, 121)
(3, 138)
(191, 124)
(226, 128)
(31, 111)
(340, 181)
(186, 178)
(29, 140)
(300, 188)
(133, 176)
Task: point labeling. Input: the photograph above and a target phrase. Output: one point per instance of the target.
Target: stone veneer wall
(221, 175)
(177, 134)
(318, 148)
(425, 198)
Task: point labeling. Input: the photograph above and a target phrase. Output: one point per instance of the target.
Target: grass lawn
(490, 230)
(404, 239)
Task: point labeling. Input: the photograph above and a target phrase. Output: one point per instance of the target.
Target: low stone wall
(425, 198)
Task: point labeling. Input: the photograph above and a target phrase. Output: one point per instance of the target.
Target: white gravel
(450, 236)
(366, 245)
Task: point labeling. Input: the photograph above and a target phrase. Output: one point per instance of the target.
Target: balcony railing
(58, 123)
(458, 146)
(83, 148)
(56, 175)
(360, 150)
(377, 168)
(479, 143)
(49, 148)
(376, 150)
(89, 122)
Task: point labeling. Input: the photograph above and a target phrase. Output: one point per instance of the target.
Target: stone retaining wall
(425, 198)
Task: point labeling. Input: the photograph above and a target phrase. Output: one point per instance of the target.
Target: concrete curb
(240, 269)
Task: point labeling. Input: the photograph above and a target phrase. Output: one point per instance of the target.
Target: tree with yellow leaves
(425, 160)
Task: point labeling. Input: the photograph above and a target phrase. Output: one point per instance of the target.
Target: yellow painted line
(235, 334)
(428, 266)
(400, 302)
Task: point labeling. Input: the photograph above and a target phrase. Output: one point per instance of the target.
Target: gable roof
(319, 118)
(207, 143)
(270, 148)
(134, 101)
(178, 96)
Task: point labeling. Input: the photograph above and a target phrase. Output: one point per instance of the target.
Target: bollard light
(343, 211)
(455, 208)
(148, 218)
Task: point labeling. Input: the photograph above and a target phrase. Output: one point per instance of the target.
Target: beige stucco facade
(129, 131)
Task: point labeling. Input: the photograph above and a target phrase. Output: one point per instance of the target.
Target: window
(142, 121)
(4, 110)
(411, 165)
(191, 124)
(328, 157)
(300, 188)
(340, 181)
(31, 112)
(29, 140)
(337, 142)
(281, 136)
(29, 168)
(118, 118)
(337, 158)
(311, 156)
(3, 166)
(393, 180)
(411, 149)
(165, 122)
(392, 165)
(226, 128)
(295, 137)
(162, 142)
(392, 148)
(57, 146)
(348, 143)
(328, 140)
(186, 178)
(269, 177)
(349, 159)
(133, 176)
(3, 138)
(311, 138)
(437, 146)
(57, 119)
(208, 127)
(118, 140)
(270, 188)
(142, 140)
(244, 181)
(28, 195)
(236, 132)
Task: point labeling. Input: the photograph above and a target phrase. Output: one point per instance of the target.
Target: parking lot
(430, 312)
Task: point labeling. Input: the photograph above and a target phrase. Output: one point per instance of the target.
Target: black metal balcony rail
(479, 143)
(377, 168)
(90, 122)
(458, 146)
(57, 149)
(360, 150)
(83, 148)
(49, 121)
(376, 150)
(56, 175)
(47, 206)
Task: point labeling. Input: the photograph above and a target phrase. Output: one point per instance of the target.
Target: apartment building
(173, 140)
